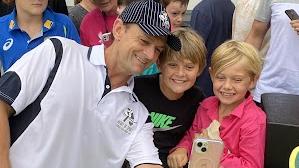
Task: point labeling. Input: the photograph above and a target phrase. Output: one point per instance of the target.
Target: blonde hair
(231, 52)
(193, 48)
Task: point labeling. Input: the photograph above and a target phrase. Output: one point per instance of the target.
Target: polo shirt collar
(13, 20)
(211, 107)
(97, 57)
(48, 20)
(239, 110)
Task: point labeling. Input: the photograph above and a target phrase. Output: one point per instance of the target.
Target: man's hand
(178, 158)
(149, 166)
(295, 25)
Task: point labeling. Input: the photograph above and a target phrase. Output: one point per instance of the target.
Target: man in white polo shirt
(64, 105)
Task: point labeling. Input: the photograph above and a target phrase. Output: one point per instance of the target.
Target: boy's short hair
(167, 2)
(231, 52)
(193, 48)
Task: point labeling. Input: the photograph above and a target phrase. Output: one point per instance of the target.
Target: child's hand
(295, 25)
(178, 158)
(203, 134)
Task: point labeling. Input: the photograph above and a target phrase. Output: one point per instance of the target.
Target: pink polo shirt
(243, 133)
(93, 25)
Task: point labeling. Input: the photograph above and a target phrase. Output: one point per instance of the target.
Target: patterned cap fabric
(152, 19)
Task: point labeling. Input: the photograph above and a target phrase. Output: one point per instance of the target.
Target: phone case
(206, 153)
(292, 14)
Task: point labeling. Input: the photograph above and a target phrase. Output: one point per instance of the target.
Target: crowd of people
(128, 83)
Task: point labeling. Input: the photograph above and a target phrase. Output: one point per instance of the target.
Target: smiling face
(231, 84)
(177, 76)
(136, 50)
(176, 11)
(179, 69)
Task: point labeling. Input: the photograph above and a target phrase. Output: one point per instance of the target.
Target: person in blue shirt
(212, 19)
(28, 25)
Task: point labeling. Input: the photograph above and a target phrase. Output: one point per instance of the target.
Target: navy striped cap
(152, 19)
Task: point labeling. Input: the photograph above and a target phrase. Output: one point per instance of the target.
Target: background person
(281, 69)
(96, 26)
(212, 19)
(77, 12)
(28, 25)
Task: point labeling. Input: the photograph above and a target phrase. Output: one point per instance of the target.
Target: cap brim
(172, 41)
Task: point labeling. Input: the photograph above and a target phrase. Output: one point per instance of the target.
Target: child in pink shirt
(235, 67)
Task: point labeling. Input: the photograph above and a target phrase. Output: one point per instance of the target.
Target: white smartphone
(206, 153)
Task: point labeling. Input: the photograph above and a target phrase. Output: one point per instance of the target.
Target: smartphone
(292, 14)
(206, 153)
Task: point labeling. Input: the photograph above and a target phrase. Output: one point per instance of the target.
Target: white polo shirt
(75, 127)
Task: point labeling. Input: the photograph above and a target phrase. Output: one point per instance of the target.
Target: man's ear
(118, 29)
(158, 62)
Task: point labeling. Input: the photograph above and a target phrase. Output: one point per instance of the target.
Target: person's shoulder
(4, 19)
(67, 42)
(145, 80)
(209, 101)
(75, 9)
(5, 24)
(203, 4)
(197, 93)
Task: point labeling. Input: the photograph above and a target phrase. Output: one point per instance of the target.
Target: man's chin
(137, 72)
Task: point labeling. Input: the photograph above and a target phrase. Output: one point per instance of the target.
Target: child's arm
(179, 155)
(178, 158)
(251, 148)
(196, 127)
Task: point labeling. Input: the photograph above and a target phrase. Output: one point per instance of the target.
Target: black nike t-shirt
(171, 118)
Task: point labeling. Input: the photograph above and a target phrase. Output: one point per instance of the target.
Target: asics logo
(8, 44)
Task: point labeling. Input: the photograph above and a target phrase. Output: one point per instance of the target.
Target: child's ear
(199, 72)
(118, 29)
(253, 82)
